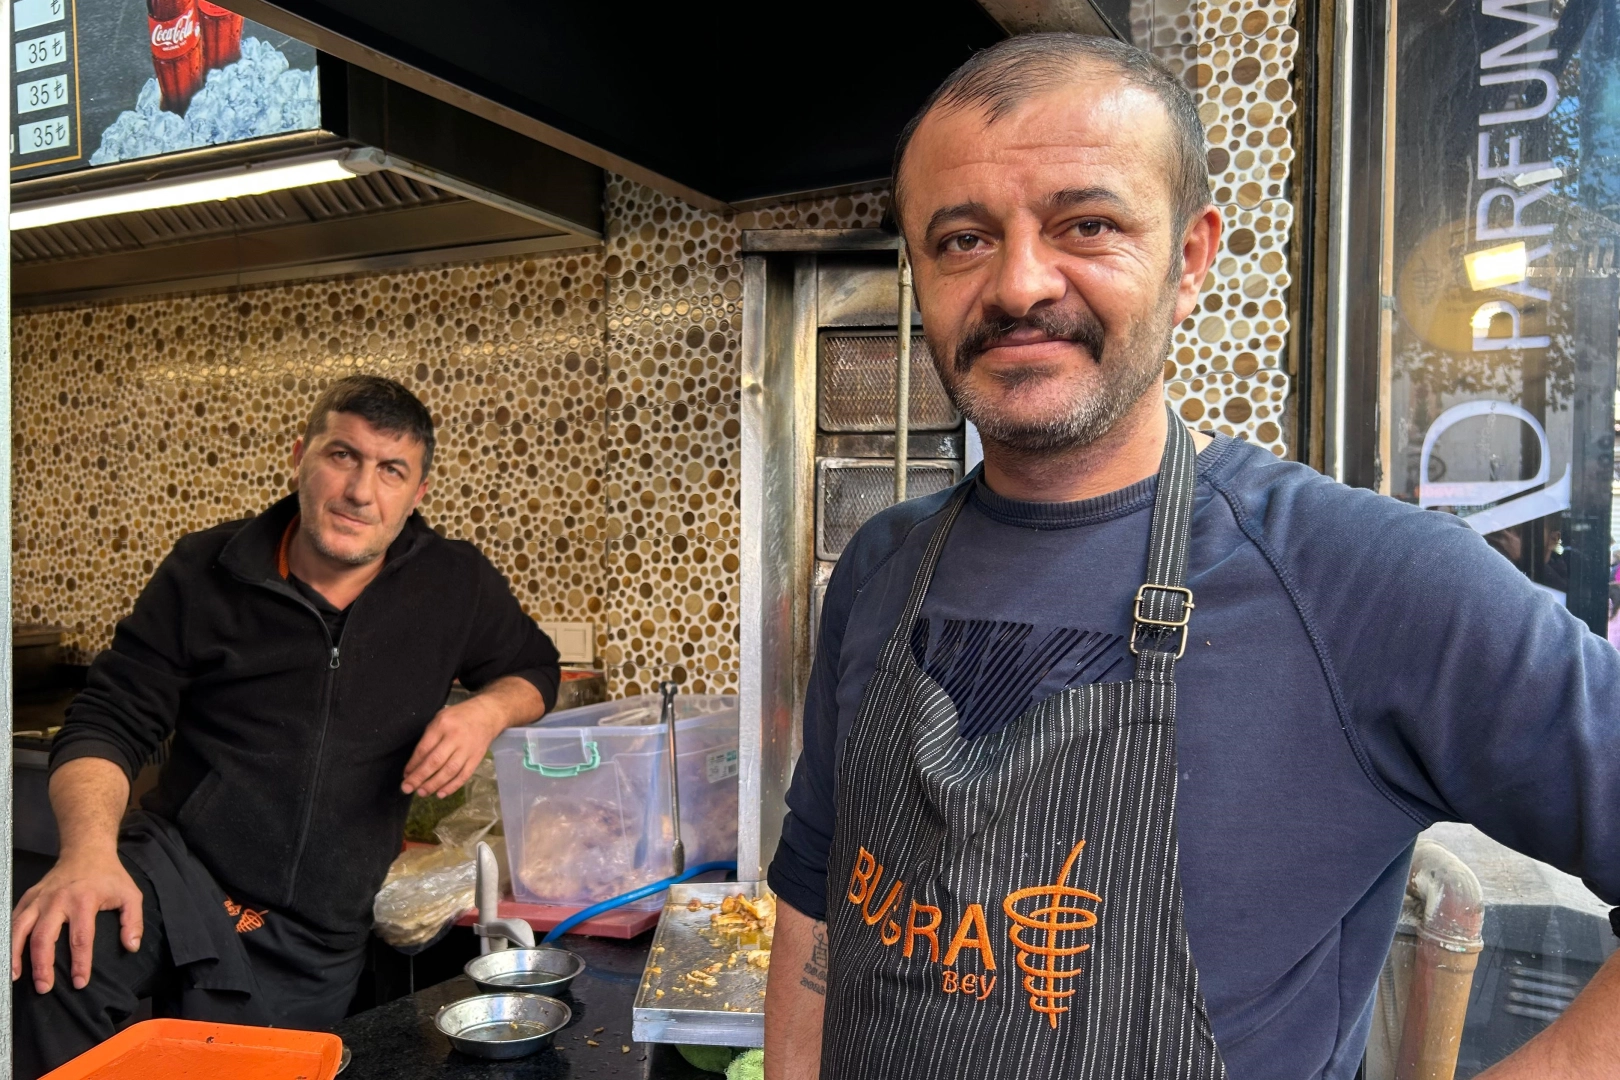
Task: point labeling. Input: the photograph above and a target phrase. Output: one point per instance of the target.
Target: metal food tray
(693, 1015)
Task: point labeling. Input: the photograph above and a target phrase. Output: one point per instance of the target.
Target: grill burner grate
(856, 376)
(849, 491)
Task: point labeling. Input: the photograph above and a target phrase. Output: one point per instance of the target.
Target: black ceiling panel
(737, 99)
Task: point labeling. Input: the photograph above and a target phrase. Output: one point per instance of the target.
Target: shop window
(1476, 376)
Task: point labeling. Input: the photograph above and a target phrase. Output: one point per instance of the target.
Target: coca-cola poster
(101, 81)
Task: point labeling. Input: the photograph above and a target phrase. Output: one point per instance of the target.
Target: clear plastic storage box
(585, 795)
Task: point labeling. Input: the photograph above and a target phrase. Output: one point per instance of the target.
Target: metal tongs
(678, 853)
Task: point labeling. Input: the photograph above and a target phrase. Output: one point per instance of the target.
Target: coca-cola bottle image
(221, 35)
(177, 55)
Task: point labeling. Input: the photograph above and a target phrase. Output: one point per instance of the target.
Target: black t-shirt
(334, 617)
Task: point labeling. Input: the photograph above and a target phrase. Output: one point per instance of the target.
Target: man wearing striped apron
(1115, 754)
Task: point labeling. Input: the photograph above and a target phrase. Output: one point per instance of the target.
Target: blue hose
(633, 895)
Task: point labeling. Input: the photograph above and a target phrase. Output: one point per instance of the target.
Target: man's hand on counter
(88, 796)
(457, 739)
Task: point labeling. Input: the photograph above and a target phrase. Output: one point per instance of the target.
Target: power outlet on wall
(575, 641)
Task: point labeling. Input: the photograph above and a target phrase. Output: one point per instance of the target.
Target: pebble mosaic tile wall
(586, 401)
(1227, 369)
(671, 434)
(586, 405)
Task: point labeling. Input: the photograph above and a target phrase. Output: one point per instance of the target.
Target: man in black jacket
(300, 660)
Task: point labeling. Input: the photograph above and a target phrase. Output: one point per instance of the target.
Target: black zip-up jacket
(289, 748)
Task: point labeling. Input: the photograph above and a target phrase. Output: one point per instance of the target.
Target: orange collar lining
(286, 542)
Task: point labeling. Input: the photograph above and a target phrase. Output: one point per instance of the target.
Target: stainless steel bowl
(542, 970)
(502, 1026)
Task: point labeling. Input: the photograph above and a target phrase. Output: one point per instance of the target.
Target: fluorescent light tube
(1494, 267)
(212, 187)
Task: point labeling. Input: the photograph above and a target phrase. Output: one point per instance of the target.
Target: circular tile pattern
(586, 405)
(1237, 57)
(586, 401)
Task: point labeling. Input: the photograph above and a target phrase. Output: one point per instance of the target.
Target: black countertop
(398, 1041)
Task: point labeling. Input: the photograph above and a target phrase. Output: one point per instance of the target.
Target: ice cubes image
(258, 95)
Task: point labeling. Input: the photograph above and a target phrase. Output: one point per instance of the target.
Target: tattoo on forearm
(814, 978)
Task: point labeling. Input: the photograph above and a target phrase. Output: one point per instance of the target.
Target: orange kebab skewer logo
(1041, 936)
(1049, 924)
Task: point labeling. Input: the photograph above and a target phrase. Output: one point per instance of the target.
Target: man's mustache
(1080, 327)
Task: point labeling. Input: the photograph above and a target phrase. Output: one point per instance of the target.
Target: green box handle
(593, 758)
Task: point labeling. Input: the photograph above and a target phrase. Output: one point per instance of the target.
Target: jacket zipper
(315, 778)
(332, 664)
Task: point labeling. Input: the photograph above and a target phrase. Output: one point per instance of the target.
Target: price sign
(42, 136)
(47, 93)
(225, 80)
(27, 14)
(45, 83)
(41, 52)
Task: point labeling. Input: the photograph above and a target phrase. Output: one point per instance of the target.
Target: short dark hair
(1000, 78)
(383, 403)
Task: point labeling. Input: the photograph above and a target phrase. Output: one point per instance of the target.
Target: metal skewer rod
(678, 853)
(902, 389)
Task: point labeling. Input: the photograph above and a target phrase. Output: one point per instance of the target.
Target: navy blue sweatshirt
(1357, 670)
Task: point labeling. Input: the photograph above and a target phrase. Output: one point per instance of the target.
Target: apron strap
(1164, 604)
(930, 560)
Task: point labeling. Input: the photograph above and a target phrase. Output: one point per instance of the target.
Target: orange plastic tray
(193, 1050)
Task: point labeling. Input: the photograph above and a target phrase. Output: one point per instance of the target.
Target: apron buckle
(1142, 619)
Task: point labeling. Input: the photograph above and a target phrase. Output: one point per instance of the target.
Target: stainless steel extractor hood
(405, 180)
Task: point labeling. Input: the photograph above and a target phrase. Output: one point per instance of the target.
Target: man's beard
(312, 534)
(1124, 376)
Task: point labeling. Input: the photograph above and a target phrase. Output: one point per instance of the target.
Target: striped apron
(1010, 905)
